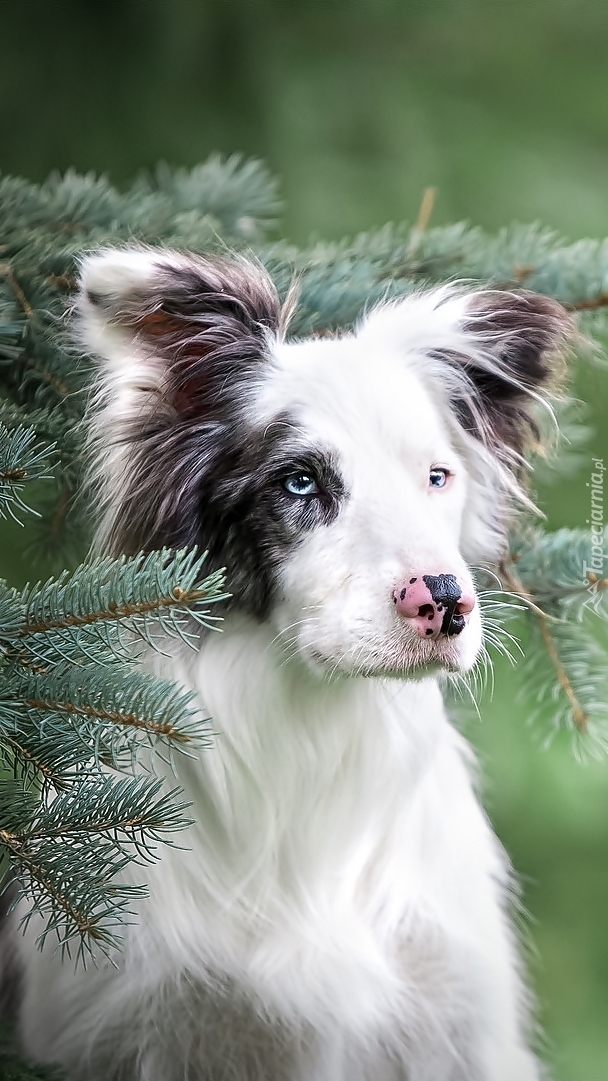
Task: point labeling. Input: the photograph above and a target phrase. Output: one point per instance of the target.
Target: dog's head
(347, 484)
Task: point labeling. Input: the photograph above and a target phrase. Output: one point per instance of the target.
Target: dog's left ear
(491, 354)
(510, 352)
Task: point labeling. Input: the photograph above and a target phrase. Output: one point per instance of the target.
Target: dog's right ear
(179, 338)
(183, 328)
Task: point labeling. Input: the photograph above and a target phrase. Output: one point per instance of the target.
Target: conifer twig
(181, 597)
(6, 272)
(131, 720)
(588, 304)
(85, 925)
(424, 216)
(579, 716)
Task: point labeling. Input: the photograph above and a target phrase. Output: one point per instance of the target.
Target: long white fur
(340, 912)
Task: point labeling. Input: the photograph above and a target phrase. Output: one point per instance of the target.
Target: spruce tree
(72, 700)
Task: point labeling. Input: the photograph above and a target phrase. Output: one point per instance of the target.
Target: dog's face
(347, 484)
(372, 492)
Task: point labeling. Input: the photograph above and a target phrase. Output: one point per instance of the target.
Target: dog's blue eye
(300, 484)
(438, 477)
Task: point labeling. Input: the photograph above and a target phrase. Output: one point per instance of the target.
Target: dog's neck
(284, 736)
(306, 798)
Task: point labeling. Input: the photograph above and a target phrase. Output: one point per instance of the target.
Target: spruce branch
(108, 596)
(39, 751)
(548, 571)
(71, 705)
(553, 570)
(107, 712)
(579, 717)
(578, 699)
(21, 461)
(71, 852)
(6, 272)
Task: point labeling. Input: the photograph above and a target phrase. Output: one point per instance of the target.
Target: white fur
(340, 910)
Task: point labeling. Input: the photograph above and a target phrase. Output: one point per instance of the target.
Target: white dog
(340, 912)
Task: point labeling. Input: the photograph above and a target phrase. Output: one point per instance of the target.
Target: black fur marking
(412, 580)
(98, 299)
(524, 333)
(209, 319)
(201, 472)
(402, 594)
(218, 484)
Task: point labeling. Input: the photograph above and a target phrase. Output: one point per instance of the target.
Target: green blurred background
(358, 106)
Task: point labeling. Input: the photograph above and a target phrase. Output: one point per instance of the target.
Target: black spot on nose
(412, 580)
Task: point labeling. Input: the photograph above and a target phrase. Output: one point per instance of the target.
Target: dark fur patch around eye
(217, 484)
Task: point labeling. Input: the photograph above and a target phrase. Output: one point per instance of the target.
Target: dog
(340, 910)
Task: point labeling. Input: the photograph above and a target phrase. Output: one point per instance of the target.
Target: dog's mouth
(400, 660)
(424, 658)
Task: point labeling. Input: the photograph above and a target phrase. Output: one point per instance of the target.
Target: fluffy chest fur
(338, 894)
(336, 839)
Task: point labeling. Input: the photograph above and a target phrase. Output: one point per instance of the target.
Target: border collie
(341, 909)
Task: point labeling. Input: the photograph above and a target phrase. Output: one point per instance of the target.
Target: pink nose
(435, 603)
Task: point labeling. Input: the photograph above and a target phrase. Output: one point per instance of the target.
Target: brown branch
(6, 271)
(16, 845)
(599, 583)
(130, 720)
(520, 273)
(588, 304)
(31, 759)
(424, 216)
(60, 514)
(516, 586)
(140, 822)
(579, 716)
(57, 384)
(180, 597)
(62, 281)
(13, 475)
(23, 658)
(426, 209)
